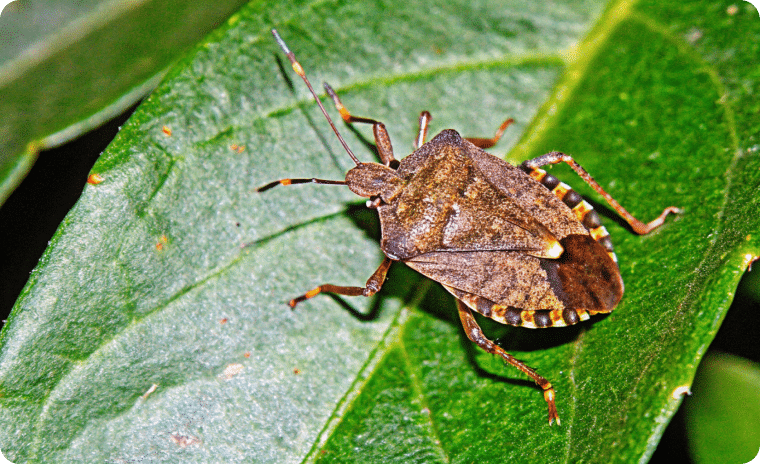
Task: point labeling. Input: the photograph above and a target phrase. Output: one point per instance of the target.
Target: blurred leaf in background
(66, 67)
(724, 425)
(173, 272)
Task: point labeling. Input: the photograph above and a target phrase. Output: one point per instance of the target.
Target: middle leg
(374, 284)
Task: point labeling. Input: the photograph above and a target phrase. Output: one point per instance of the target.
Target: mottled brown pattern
(453, 200)
(504, 277)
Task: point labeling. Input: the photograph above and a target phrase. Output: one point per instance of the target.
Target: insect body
(512, 243)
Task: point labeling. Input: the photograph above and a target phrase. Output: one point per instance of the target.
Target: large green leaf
(174, 272)
(65, 67)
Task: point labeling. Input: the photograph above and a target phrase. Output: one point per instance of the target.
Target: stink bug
(511, 243)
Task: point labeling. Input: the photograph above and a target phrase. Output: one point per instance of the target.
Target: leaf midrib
(419, 391)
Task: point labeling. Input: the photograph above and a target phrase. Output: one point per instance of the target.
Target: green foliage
(173, 271)
(65, 67)
(724, 424)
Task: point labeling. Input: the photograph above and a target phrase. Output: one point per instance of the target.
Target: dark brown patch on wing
(584, 277)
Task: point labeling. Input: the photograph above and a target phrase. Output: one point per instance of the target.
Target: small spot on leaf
(231, 371)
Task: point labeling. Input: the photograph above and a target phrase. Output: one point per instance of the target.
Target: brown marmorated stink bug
(512, 243)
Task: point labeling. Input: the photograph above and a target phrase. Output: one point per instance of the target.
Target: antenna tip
(280, 42)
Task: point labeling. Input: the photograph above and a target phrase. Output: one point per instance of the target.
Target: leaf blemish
(183, 441)
(150, 390)
(231, 371)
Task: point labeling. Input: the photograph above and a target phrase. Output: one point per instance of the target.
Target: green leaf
(174, 272)
(66, 67)
(725, 403)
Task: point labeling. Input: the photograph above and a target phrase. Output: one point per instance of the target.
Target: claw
(549, 397)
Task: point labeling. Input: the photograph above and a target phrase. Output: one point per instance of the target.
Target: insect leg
(382, 139)
(488, 143)
(475, 333)
(425, 118)
(637, 226)
(374, 283)
(275, 183)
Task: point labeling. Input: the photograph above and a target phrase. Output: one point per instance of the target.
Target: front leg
(382, 139)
